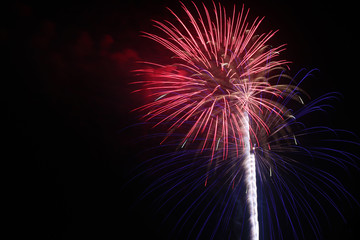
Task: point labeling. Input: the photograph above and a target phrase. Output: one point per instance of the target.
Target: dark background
(65, 81)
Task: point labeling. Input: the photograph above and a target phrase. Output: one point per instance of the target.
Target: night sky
(65, 79)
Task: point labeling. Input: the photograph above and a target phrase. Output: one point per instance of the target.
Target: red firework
(221, 71)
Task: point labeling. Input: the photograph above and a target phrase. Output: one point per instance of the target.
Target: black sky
(66, 76)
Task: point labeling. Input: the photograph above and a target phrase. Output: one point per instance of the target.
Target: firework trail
(224, 80)
(250, 173)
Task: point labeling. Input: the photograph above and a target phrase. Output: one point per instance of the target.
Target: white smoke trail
(250, 178)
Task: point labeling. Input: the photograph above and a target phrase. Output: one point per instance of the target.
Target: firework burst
(222, 93)
(221, 74)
